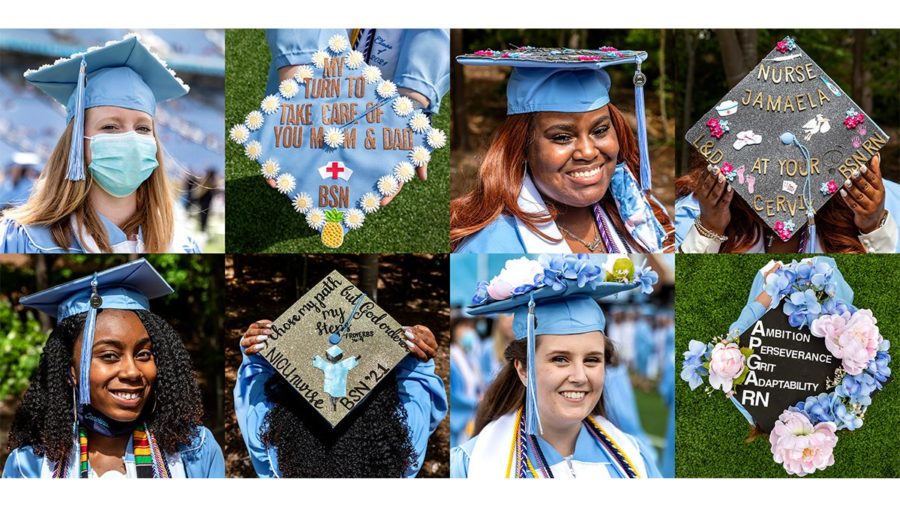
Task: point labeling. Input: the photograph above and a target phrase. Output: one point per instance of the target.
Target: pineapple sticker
(333, 232)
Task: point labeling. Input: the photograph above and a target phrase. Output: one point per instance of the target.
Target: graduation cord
(601, 436)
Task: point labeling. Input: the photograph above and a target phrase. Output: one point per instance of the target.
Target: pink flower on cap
(726, 363)
(855, 341)
(799, 446)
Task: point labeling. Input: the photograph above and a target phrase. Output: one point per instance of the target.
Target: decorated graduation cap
(786, 138)
(337, 138)
(123, 73)
(129, 286)
(333, 346)
(556, 294)
(574, 80)
(804, 370)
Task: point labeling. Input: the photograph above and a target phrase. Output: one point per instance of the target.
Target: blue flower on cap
(802, 308)
(858, 389)
(692, 369)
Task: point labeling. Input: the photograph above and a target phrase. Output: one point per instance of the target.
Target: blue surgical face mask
(121, 162)
(468, 339)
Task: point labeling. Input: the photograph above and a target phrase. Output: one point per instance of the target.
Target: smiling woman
(564, 172)
(114, 395)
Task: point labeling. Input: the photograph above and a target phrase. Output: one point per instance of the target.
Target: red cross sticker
(334, 169)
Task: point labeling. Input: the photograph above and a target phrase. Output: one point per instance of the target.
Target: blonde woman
(104, 188)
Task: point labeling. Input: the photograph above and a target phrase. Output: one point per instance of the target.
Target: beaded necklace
(518, 452)
(148, 458)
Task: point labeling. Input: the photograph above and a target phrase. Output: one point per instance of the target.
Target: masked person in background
(104, 188)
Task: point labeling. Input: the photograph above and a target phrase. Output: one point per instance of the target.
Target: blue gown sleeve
(423, 64)
(500, 236)
(22, 463)
(422, 394)
(687, 209)
(250, 408)
(649, 456)
(892, 202)
(207, 460)
(13, 238)
(459, 459)
(294, 47)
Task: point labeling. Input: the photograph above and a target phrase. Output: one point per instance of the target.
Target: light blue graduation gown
(421, 391)
(500, 236)
(201, 459)
(30, 239)
(587, 450)
(687, 210)
(463, 397)
(414, 59)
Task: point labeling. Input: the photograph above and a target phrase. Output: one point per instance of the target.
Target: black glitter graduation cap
(787, 137)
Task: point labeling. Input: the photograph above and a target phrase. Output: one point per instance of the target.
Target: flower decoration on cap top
(805, 435)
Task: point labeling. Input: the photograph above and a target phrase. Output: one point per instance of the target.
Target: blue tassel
(811, 239)
(532, 416)
(76, 151)
(87, 346)
(639, 80)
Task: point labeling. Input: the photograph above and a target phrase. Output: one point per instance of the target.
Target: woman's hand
(864, 193)
(254, 339)
(421, 342)
(714, 195)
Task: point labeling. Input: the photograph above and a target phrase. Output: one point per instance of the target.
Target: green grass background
(710, 432)
(262, 220)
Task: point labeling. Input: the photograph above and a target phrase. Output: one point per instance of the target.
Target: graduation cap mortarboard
(787, 137)
(122, 73)
(567, 80)
(129, 286)
(569, 307)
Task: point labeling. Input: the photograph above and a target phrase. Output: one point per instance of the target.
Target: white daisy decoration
(285, 183)
(355, 60)
(270, 168)
(239, 133)
(334, 137)
(403, 106)
(302, 202)
(386, 89)
(354, 219)
(338, 44)
(315, 218)
(436, 138)
(254, 120)
(370, 202)
(288, 88)
(420, 156)
(253, 149)
(419, 122)
(404, 171)
(388, 185)
(303, 73)
(372, 74)
(318, 59)
(270, 104)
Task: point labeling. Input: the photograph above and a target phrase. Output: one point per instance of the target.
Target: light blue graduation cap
(334, 352)
(567, 80)
(122, 73)
(561, 306)
(129, 286)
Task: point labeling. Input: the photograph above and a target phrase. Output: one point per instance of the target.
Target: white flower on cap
(419, 122)
(403, 106)
(355, 60)
(239, 133)
(354, 219)
(288, 88)
(338, 43)
(386, 89)
(270, 104)
(371, 73)
(436, 138)
(253, 149)
(270, 168)
(334, 137)
(254, 120)
(285, 183)
(370, 202)
(302, 202)
(388, 185)
(420, 156)
(318, 59)
(315, 218)
(404, 171)
(303, 73)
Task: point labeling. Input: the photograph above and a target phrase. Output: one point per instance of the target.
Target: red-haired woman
(561, 174)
